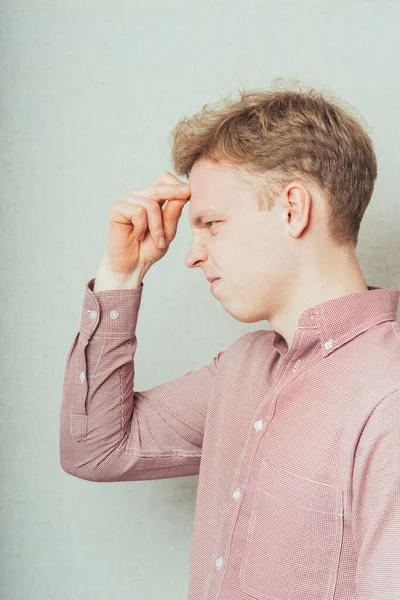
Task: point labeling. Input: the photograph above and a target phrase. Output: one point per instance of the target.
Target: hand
(137, 222)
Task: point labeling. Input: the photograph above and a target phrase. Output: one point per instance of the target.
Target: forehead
(212, 190)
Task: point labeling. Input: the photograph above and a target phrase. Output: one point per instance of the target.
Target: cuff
(111, 313)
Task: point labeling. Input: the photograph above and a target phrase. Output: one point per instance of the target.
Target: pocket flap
(299, 490)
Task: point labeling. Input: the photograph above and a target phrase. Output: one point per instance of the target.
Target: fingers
(167, 177)
(164, 192)
(156, 225)
(143, 208)
(163, 223)
(139, 221)
(173, 210)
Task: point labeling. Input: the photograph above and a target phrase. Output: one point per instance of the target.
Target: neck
(332, 276)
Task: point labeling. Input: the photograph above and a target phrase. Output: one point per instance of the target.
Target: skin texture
(272, 265)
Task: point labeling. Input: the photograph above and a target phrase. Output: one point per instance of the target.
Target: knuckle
(113, 209)
(158, 230)
(156, 224)
(155, 218)
(138, 208)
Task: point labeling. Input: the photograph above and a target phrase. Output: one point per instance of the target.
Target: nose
(197, 254)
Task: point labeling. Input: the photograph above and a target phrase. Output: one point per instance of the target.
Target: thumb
(173, 209)
(171, 215)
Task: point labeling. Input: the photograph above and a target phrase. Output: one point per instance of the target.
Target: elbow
(83, 472)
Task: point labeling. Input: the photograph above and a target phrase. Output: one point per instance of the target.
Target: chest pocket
(294, 539)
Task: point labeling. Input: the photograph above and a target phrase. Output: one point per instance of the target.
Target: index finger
(167, 177)
(165, 192)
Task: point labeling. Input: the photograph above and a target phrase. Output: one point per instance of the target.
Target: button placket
(114, 314)
(220, 561)
(78, 414)
(297, 364)
(236, 494)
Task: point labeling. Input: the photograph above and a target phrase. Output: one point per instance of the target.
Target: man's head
(290, 175)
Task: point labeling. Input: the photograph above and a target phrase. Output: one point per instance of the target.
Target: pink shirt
(297, 452)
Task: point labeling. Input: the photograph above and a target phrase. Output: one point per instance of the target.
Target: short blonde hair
(272, 136)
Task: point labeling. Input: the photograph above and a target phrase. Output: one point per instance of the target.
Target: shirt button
(258, 424)
(114, 314)
(82, 376)
(296, 366)
(93, 314)
(328, 345)
(219, 562)
(236, 494)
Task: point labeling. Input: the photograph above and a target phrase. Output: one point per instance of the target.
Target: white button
(82, 376)
(93, 314)
(296, 366)
(328, 345)
(114, 314)
(236, 494)
(258, 424)
(219, 562)
(313, 317)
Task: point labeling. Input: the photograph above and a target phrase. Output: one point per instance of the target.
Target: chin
(244, 317)
(248, 319)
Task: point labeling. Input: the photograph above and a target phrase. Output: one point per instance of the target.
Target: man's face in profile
(235, 242)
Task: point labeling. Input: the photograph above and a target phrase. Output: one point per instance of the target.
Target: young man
(295, 431)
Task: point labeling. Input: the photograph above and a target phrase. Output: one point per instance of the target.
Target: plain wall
(89, 94)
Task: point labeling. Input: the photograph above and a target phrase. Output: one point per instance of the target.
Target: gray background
(89, 93)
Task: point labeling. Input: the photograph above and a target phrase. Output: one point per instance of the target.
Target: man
(295, 431)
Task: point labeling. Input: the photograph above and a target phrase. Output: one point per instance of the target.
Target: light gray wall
(89, 93)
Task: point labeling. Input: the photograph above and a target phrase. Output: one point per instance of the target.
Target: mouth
(214, 283)
(212, 279)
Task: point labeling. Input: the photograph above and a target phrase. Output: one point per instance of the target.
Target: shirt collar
(339, 320)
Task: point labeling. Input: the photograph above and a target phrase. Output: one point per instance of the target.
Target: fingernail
(183, 187)
(162, 243)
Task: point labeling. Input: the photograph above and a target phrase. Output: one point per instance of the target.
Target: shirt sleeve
(376, 503)
(108, 431)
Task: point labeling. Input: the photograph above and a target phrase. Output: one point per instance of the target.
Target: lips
(211, 279)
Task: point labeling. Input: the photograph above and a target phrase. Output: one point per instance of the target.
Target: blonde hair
(271, 136)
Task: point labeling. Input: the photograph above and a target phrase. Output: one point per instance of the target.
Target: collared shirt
(297, 450)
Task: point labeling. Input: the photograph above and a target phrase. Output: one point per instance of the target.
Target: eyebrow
(203, 215)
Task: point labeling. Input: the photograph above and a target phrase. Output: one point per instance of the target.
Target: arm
(376, 503)
(108, 431)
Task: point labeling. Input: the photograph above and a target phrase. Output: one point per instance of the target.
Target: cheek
(249, 246)
(241, 240)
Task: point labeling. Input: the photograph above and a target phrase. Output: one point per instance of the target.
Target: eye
(211, 222)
